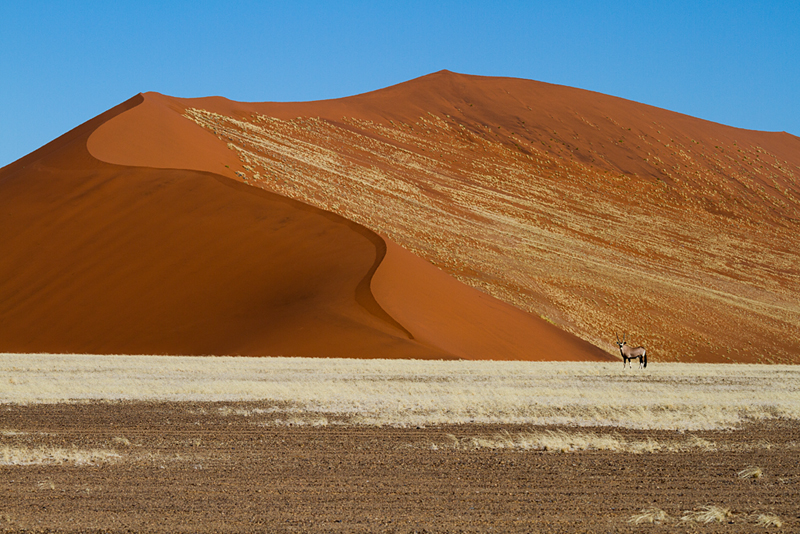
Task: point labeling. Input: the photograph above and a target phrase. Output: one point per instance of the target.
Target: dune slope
(600, 214)
(104, 258)
(157, 253)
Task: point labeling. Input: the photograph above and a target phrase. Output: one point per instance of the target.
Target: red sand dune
(135, 233)
(108, 258)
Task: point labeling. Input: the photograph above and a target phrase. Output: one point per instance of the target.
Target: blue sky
(62, 63)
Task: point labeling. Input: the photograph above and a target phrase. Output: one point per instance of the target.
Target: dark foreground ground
(201, 467)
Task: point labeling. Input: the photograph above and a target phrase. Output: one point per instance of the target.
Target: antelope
(631, 353)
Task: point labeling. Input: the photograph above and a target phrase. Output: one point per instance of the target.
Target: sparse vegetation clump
(650, 515)
(707, 514)
(750, 472)
(769, 520)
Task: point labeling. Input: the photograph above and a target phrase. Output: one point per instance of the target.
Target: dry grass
(46, 484)
(708, 514)
(769, 520)
(419, 393)
(20, 455)
(750, 472)
(650, 515)
(564, 441)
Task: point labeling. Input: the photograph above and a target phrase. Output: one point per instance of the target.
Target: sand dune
(206, 226)
(155, 254)
(600, 214)
(110, 259)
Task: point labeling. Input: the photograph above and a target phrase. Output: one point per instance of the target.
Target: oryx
(631, 353)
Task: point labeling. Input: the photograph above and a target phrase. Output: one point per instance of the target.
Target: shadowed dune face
(106, 259)
(600, 214)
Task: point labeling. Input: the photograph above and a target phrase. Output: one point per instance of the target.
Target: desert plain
(194, 444)
(397, 312)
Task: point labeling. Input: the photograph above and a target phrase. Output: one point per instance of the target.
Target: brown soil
(188, 467)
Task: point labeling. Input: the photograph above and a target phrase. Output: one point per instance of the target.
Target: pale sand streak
(409, 392)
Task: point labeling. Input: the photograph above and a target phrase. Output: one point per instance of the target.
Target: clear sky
(61, 63)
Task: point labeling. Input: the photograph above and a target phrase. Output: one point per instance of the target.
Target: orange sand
(134, 233)
(160, 252)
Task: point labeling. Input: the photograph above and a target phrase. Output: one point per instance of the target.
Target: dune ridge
(157, 251)
(599, 214)
(584, 215)
(112, 270)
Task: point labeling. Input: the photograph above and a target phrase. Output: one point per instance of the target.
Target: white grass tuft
(46, 484)
(769, 520)
(751, 472)
(707, 514)
(650, 515)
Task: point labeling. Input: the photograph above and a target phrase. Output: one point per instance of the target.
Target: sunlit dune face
(682, 254)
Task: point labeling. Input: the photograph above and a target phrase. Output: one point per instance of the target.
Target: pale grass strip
(19, 455)
(413, 392)
(569, 441)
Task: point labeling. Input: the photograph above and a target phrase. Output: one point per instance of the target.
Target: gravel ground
(216, 467)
